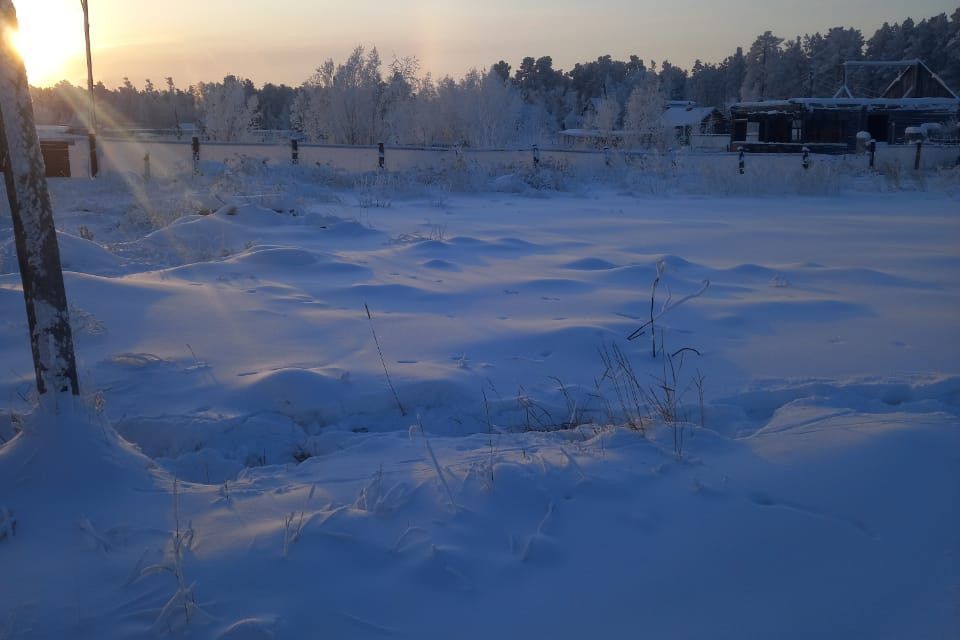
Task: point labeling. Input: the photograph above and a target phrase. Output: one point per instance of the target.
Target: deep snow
(221, 329)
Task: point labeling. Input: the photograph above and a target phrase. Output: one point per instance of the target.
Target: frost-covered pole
(51, 340)
(92, 134)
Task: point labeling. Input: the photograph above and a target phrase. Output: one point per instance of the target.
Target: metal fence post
(146, 166)
(916, 159)
(294, 151)
(195, 146)
(873, 153)
(382, 159)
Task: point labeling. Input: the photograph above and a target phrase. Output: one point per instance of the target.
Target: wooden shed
(55, 143)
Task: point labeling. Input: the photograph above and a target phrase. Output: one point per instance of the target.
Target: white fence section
(176, 157)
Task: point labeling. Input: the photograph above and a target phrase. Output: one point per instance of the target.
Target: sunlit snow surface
(221, 328)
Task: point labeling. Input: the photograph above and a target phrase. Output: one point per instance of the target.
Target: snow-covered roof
(923, 104)
(916, 104)
(764, 104)
(685, 116)
(54, 133)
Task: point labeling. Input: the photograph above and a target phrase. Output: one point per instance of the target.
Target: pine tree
(827, 55)
(788, 77)
(763, 56)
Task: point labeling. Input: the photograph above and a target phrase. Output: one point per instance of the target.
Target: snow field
(221, 329)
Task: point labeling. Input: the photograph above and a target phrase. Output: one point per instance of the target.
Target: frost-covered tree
(397, 100)
(351, 97)
(495, 121)
(644, 113)
(604, 115)
(481, 110)
(544, 90)
(226, 110)
(760, 59)
(423, 120)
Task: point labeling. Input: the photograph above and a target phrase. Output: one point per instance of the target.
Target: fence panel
(168, 158)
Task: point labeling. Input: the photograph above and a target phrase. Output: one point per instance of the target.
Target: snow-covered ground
(792, 470)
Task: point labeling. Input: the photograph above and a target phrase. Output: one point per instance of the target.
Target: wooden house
(915, 98)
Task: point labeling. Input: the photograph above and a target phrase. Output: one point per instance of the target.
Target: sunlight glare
(50, 38)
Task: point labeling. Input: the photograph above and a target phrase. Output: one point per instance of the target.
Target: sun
(50, 39)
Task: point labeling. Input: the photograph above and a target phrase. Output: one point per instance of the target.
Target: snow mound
(76, 254)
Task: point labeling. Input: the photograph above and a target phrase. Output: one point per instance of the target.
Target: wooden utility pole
(92, 134)
(38, 255)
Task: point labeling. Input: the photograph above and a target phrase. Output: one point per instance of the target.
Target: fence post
(294, 151)
(740, 150)
(146, 166)
(382, 160)
(607, 156)
(35, 237)
(806, 158)
(873, 153)
(916, 159)
(94, 161)
(536, 157)
(195, 145)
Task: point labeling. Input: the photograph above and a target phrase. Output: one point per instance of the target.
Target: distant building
(693, 125)
(686, 119)
(915, 98)
(689, 124)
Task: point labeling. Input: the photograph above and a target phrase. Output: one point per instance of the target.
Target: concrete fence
(168, 158)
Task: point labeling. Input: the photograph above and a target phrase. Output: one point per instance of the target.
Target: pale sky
(283, 41)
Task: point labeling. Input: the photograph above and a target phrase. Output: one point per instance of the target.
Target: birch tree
(38, 254)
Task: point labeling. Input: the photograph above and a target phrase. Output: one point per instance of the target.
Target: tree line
(362, 100)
